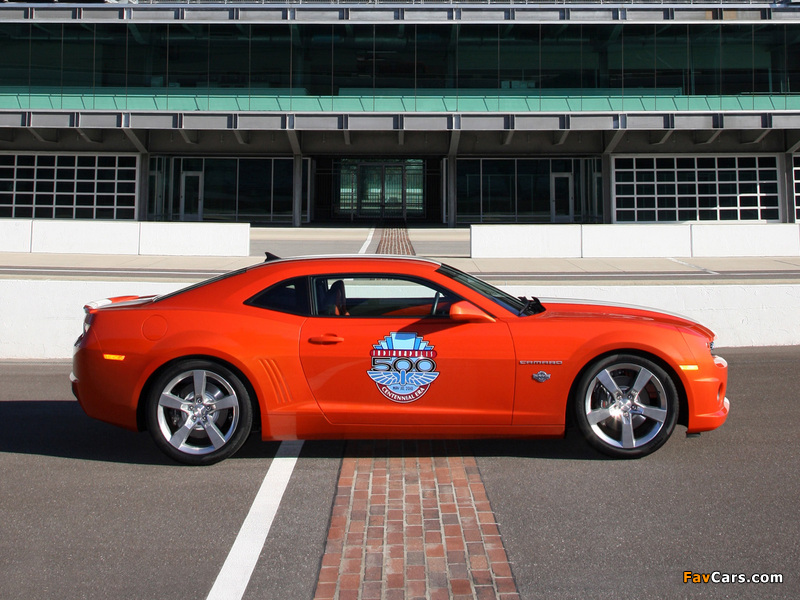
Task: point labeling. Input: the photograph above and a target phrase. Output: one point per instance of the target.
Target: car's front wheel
(626, 406)
(199, 412)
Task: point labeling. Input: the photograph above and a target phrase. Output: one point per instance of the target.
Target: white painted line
(686, 264)
(235, 574)
(363, 249)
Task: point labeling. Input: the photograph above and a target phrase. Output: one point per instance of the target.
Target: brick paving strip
(412, 520)
(394, 240)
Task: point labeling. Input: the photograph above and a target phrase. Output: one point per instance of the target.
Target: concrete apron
(43, 318)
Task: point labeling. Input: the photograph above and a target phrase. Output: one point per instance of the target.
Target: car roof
(274, 260)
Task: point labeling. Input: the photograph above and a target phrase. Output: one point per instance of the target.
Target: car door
(384, 350)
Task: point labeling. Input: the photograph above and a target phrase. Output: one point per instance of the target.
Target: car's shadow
(61, 429)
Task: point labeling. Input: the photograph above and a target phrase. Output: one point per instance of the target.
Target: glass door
(393, 193)
(191, 196)
(562, 198)
(370, 190)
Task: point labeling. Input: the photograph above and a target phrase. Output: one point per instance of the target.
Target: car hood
(593, 309)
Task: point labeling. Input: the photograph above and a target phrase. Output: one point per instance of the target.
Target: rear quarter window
(290, 296)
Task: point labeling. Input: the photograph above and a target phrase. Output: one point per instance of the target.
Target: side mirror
(469, 313)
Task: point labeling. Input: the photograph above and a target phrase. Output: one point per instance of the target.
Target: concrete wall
(645, 241)
(124, 237)
(42, 319)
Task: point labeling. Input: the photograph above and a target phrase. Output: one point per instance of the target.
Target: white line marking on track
(363, 249)
(235, 574)
(686, 264)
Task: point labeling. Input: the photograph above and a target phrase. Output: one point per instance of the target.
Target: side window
(290, 296)
(379, 296)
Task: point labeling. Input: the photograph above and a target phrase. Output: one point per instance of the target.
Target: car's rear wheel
(626, 406)
(199, 412)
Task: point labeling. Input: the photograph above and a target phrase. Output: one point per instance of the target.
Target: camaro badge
(403, 367)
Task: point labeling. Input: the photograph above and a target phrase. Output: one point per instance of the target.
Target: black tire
(200, 432)
(626, 406)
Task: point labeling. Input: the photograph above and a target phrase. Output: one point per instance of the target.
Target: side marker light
(114, 356)
(690, 368)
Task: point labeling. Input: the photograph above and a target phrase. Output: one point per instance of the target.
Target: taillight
(87, 321)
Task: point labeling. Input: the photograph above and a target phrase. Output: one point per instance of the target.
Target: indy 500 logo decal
(403, 367)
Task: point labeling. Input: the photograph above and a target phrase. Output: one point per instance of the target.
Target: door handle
(328, 338)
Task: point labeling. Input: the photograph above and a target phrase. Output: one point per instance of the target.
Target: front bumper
(709, 405)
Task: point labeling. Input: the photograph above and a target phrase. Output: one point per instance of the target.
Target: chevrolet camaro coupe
(388, 347)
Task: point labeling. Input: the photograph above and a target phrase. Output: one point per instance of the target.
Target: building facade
(430, 112)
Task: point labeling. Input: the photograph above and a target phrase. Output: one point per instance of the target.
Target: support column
(786, 197)
(451, 191)
(455, 137)
(297, 191)
(608, 204)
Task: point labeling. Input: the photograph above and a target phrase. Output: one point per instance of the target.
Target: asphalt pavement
(92, 511)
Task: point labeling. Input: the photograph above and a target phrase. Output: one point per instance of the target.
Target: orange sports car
(388, 347)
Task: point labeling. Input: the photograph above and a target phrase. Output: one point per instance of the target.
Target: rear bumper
(105, 394)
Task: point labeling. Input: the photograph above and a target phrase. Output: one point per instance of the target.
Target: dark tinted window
(290, 296)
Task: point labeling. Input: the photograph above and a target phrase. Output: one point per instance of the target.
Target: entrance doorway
(562, 198)
(376, 189)
(191, 196)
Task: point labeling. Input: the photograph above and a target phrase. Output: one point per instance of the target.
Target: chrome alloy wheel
(198, 412)
(628, 406)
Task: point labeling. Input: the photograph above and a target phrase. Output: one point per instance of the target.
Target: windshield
(516, 305)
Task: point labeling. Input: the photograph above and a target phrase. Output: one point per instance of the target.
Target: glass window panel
(313, 58)
(255, 188)
(498, 189)
(147, 55)
(640, 45)
(626, 203)
(14, 68)
(533, 189)
(437, 56)
(219, 188)
(270, 57)
(736, 59)
(395, 61)
(478, 57)
(561, 57)
(78, 52)
(705, 41)
(188, 56)
(282, 189)
(665, 163)
(468, 175)
(229, 49)
(520, 58)
(352, 58)
(46, 55)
